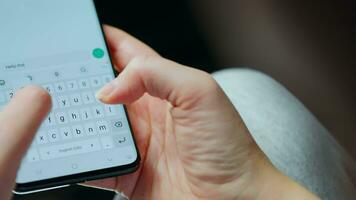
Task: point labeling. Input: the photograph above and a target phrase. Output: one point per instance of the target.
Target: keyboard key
(86, 114)
(41, 137)
(3, 83)
(103, 127)
(66, 133)
(10, 94)
(50, 120)
(33, 156)
(60, 87)
(117, 125)
(63, 101)
(62, 118)
(110, 110)
(53, 135)
(107, 142)
(75, 100)
(107, 78)
(121, 140)
(84, 84)
(49, 88)
(90, 129)
(95, 82)
(72, 85)
(98, 111)
(74, 115)
(88, 97)
(78, 131)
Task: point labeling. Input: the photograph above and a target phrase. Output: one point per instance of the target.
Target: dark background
(167, 26)
(308, 46)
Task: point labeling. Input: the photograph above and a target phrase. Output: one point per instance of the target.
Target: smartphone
(60, 45)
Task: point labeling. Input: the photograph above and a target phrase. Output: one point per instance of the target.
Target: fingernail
(105, 91)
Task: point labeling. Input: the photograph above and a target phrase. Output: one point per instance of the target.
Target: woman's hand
(19, 121)
(193, 142)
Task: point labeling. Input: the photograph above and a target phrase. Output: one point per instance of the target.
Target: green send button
(98, 53)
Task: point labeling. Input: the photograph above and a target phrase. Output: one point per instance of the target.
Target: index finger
(18, 124)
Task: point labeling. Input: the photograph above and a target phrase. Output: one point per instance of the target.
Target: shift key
(69, 149)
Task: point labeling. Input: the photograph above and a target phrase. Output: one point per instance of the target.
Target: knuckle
(137, 62)
(142, 65)
(209, 82)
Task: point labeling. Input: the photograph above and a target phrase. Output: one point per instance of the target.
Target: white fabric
(289, 134)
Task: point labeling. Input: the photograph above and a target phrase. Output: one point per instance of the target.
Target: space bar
(69, 149)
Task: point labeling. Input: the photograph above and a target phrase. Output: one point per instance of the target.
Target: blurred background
(308, 46)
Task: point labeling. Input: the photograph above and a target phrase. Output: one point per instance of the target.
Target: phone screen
(59, 45)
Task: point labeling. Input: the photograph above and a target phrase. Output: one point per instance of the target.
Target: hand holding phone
(193, 143)
(186, 128)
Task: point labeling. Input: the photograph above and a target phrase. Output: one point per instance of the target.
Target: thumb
(18, 124)
(158, 77)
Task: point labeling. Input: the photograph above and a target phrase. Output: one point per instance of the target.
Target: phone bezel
(86, 176)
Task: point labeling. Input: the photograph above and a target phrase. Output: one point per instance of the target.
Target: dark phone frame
(86, 176)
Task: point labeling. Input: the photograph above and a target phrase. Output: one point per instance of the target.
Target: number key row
(73, 85)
